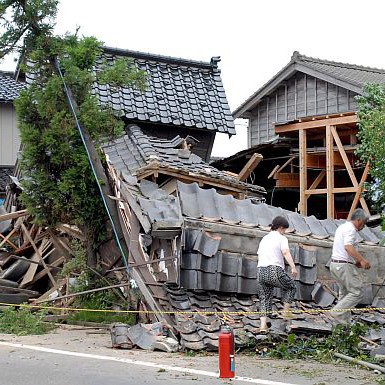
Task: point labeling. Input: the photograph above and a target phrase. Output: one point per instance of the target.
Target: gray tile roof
(9, 87)
(181, 92)
(136, 150)
(350, 73)
(200, 203)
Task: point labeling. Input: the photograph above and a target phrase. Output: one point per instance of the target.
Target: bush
(22, 321)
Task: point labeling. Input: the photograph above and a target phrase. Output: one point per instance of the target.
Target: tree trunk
(99, 171)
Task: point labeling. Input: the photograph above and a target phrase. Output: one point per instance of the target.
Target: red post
(226, 353)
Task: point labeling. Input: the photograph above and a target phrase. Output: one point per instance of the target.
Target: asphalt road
(23, 367)
(69, 356)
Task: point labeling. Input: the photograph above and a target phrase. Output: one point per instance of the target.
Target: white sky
(255, 38)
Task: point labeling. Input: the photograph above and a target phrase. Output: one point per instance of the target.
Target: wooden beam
(329, 173)
(286, 164)
(38, 253)
(351, 119)
(6, 240)
(344, 156)
(273, 171)
(169, 186)
(250, 166)
(317, 180)
(302, 172)
(16, 214)
(336, 190)
(358, 196)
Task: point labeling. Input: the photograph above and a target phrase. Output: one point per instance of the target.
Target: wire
(92, 166)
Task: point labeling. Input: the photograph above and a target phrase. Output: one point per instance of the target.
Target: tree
(371, 122)
(59, 185)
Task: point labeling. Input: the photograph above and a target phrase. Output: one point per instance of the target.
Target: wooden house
(304, 123)
(184, 98)
(9, 133)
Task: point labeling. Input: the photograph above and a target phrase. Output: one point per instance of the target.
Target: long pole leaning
(98, 171)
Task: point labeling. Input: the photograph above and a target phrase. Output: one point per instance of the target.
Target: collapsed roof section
(180, 92)
(141, 156)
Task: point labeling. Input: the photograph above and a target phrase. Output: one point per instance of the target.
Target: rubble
(192, 250)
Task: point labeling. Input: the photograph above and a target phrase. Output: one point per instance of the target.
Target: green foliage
(104, 317)
(344, 339)
(23, 322)
(371, 114)
(102, 300)
(25, 20)
(59, 185)
(78, 263)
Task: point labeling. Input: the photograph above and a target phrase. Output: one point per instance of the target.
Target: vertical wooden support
(358, 196)
(329, 173)
(302, 172)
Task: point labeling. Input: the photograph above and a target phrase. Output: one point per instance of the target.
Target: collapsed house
(192, 230)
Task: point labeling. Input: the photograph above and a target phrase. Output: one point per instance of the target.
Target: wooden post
(302, 172)
(329, 173)
(358, 196)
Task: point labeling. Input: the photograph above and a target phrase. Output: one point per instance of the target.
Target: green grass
(101, 317)
(22, 321)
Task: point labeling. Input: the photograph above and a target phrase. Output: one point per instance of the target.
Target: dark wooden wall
(300, 96)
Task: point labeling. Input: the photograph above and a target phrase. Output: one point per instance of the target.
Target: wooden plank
(302, 172)
(318, 160)
(250, 166)
(28, 276)
(44, 272)
(6, 239)
(169, 186)
(344, 156)
(287, 183)
(14, 215)
(201, 180)
(38, 253)
(285, 164)
(329, 173)
(351, 119)
(336, 190)
(358, 197)
(273, 171)
(317, 180)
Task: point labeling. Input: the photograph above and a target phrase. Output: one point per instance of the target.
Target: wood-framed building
(309, 108)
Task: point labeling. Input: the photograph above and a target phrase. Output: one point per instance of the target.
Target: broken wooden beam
(14, 215)
(250, 166)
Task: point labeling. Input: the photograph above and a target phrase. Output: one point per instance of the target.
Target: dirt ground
(301, 372)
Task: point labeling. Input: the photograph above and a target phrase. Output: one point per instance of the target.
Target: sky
(254, 38)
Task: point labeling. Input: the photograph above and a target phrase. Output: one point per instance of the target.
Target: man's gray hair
(360, 214)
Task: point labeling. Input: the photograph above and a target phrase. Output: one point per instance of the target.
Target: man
(345, 262)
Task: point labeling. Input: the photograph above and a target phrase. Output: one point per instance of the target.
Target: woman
(273, 249)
